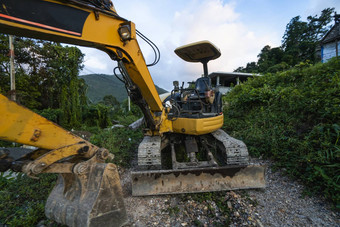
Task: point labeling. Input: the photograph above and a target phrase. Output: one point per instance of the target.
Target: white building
(225, 81)
(330, 43)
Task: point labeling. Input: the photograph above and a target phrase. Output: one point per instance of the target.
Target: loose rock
(280, 204)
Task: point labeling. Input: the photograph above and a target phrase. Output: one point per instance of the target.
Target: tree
(251, 67)
(110, 100)
(28, 92)
(240, 69)
(46, 77)
(269, 57)
(319, 26)
(299, 44)
(61, 66)
(301, 38)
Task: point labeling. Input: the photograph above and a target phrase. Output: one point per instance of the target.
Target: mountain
(101, 85)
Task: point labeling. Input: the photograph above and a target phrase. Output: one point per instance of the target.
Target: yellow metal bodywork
(193, 126)
(197, 126)
(21, 125)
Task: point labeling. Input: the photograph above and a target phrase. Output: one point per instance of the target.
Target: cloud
(170, 24)
(315, 6)
(211, 20)
(96, 61)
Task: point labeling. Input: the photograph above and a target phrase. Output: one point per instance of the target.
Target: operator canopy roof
(202, 51)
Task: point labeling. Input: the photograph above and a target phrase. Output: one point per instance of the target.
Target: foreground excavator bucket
(92, 199)
(197, 180)
(88, 191)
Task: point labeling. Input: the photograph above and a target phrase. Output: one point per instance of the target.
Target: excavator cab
(202, 85)
(201, 100)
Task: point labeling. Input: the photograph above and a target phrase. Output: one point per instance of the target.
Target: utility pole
(12, 70)
(129, 103)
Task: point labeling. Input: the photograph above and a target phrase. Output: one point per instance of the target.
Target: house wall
(224, 90)
(329, 51)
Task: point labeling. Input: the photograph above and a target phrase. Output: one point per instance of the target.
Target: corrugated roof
(232, 74)
(332, 34)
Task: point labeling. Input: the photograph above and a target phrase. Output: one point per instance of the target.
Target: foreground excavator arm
(23, 126)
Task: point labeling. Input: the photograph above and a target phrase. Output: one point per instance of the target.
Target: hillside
(102, 84)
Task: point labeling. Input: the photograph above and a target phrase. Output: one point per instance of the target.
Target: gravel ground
(280, 204)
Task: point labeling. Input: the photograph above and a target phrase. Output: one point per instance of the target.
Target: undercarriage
(178, 163)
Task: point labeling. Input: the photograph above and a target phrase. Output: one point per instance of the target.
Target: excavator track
(149, 153)
(236, 151)
(225, 169)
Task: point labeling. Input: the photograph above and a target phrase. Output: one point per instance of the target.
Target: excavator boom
(69, 21)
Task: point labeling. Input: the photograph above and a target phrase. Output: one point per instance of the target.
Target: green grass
(23, 198)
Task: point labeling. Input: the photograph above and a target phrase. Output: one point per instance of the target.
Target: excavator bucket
(197, 180)
(94, 198)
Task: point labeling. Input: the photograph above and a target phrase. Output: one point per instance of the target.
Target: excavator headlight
(125, 32)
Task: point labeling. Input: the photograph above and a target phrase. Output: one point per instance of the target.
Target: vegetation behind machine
(293, 117)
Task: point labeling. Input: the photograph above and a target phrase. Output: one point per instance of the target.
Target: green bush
(97, 115)
(51, 114)
(293, 117)
(121, 142)
(23, 198)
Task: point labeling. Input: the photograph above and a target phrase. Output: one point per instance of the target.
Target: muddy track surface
(281, 204)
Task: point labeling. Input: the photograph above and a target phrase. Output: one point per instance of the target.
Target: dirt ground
(281, 203)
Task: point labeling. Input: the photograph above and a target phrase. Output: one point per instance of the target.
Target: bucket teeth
(94, 198)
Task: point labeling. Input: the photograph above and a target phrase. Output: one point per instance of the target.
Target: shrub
(121, 142)
(293, 117)
(23, 198)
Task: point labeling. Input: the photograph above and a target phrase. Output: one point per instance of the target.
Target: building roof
(333, 33)
(231, 75)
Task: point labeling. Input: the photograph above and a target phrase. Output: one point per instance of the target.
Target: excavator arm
(82, 23)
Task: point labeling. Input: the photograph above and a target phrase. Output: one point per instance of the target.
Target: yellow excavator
(183, 151)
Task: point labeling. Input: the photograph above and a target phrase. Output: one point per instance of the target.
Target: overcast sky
(240, 28)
